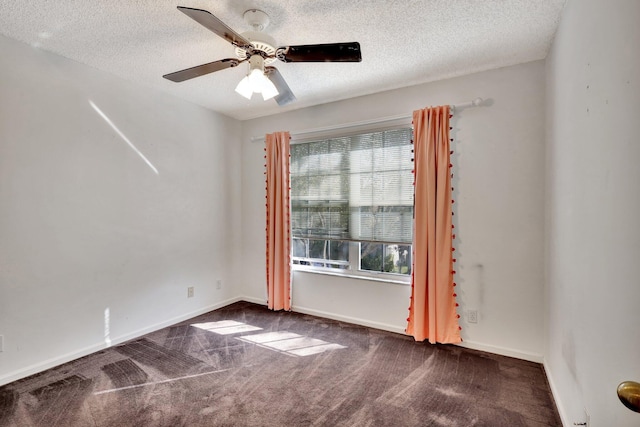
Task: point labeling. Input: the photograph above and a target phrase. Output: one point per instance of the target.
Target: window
(352, 203)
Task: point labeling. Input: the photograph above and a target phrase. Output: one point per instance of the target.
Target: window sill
(372, 277)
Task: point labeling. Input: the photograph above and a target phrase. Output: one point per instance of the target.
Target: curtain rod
(295, 135)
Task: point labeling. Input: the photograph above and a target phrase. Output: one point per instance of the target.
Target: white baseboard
(348, 319)
(259, 301)
(556, 395)
(56, 361)
(503, 351)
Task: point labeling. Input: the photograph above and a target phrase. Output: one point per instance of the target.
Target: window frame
(353, 265)
(355, 273)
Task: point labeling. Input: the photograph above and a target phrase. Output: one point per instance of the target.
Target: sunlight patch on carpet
(226, 327)
(291, 343)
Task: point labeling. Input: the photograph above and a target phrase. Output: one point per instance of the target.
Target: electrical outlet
(190, 292)
(472, 316)
(219, 284)
(1, 343)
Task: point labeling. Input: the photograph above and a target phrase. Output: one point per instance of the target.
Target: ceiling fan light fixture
(256, 81)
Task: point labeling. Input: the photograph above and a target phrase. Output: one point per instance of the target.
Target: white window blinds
(357, 188)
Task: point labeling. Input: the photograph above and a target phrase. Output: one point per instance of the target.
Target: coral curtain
(432, 313)
(278, 230)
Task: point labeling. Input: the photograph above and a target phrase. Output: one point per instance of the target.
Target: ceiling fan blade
(201, 70)
(285, 96)
(209, 21)
(329, 52)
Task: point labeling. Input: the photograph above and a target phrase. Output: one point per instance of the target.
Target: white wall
(499, 192)
(87, 225)
(593, 200)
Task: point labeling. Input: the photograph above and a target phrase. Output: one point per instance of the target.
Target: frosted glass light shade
(256, 82)
(244, 88)
(255, 79)
(269, 90)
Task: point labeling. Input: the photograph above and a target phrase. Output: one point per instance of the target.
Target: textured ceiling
(403, 42)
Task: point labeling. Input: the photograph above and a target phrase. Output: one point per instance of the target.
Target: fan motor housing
(260, 41)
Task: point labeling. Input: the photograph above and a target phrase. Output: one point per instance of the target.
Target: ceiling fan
(258, 49)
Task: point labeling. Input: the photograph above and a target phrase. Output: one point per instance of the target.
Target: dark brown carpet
(192, 375)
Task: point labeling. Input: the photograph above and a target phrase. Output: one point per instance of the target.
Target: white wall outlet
(472, 316)
(219, 284)
(1, 343)
(190, 292)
